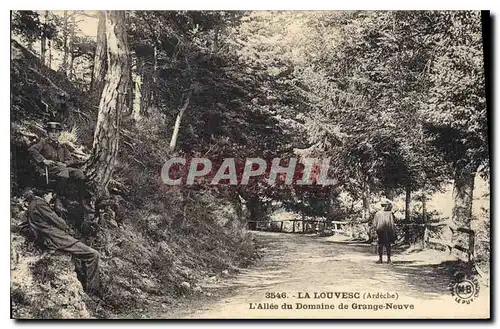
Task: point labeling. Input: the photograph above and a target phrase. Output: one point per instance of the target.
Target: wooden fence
(320, 225)
(341, 227)
(454, 230)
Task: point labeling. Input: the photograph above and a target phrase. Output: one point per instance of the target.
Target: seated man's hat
(53, 126)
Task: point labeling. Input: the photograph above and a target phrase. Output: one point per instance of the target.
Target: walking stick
(47, 175)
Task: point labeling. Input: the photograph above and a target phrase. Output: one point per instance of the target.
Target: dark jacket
(47, 227)
(383, 223)
(47, 149)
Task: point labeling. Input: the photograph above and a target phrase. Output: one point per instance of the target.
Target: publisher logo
(465, 289)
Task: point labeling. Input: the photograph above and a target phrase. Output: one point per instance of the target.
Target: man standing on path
(383, 224)
(52, 232)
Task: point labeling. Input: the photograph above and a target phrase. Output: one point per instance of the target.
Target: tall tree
(49, 59)
(457, 113)
(43, 39)
(100, 58)
(71, 44)
(64, 65)
(178, 119)
(105, 147)
(137, 90)
(27, 25)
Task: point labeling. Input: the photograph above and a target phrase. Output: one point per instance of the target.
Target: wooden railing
(295, 228)
(454, 230)
(340, 227)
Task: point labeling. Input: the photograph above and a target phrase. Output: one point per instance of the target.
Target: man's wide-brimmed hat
(53, 126)
(386, 201)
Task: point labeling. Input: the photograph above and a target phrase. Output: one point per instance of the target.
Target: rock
(149, 285)
(14, 258)
(163, 247)
(186, 272)
(197, 289)
(45, 288)
(213, 278)
(117, 263)
(208, 294)
(225, 272)
(185, 285)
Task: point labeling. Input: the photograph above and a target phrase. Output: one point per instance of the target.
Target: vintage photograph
(250, 164)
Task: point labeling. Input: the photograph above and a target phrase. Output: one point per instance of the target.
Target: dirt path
(301, 266)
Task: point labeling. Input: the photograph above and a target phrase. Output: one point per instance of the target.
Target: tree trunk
(216, 39)
(235, 201)
(407, 213)
(137, 102)
(366, 203)
(146, 82)
(424, 207)
(463, 187)
(105, 147)
(424, 219)
(173, 140)
(100, 57)
(257, 212)
(152, 90)
(365, 198)
(49, 63)
(43, 41)
(130, 92)
(365, 226)
(238, 206)
(71, 44)
(64, 65)
(42, 49)
(389, 194)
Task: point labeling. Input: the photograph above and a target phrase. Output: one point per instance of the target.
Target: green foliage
(395, 98)
(26, 23)
(457, 113)
(30, 25)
